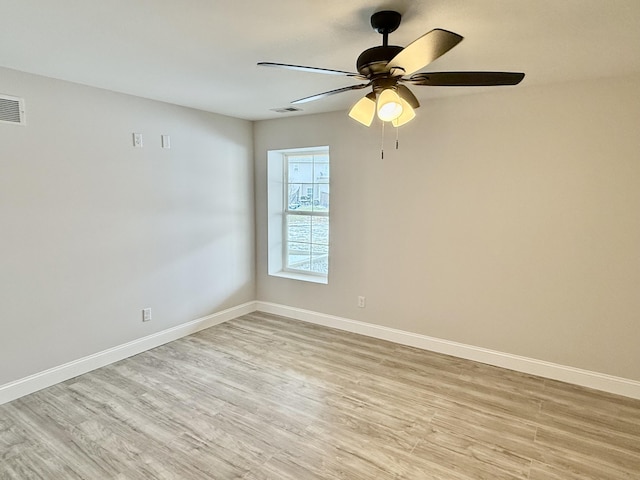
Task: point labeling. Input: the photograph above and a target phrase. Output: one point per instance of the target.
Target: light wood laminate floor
(264, 397)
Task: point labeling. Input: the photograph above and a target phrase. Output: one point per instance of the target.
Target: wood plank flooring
(268, 398)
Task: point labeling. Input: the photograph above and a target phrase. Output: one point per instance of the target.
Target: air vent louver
(286, 109)
(11, 110)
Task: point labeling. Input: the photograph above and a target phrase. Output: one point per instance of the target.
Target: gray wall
(93, 230)
(507, 220)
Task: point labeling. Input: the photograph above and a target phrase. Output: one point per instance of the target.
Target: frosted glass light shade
(389, 106)
(364, 111)
(408, 114)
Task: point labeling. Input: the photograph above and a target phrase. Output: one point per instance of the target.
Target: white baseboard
(585, 378)
(38, 381)
(576, 376)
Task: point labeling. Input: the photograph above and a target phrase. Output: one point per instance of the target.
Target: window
(299, 213)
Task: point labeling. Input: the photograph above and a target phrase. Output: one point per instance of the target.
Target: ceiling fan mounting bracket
(386, 21)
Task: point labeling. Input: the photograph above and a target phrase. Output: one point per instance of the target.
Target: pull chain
(382, 143)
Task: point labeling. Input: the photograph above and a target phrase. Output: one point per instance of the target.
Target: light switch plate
(137, 140)
(166, 141)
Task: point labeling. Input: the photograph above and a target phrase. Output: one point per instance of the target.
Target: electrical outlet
(146, 314)
(137, 140)
(361, 302)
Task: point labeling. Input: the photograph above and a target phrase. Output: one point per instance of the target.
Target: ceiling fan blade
(303, 68)
(466, 79)
(421, 52)
(408, 96)
(330, 92)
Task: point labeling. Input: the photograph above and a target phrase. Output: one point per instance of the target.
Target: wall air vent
(11, 110)
(286, 109)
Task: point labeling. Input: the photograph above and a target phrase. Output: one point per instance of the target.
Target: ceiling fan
(387, 68)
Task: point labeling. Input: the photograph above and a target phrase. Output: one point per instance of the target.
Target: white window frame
(278, 209)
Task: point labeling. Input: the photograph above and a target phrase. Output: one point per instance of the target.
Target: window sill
(301, 276)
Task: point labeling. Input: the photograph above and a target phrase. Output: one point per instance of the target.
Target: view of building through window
(307, 212)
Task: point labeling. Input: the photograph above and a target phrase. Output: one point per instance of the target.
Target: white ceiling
(203, 53)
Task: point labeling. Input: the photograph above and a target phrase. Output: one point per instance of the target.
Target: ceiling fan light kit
(364, 110)
(386, 68)
(407, 115)
(389, 106)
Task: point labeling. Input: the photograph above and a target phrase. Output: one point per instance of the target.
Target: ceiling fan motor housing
(374, 60)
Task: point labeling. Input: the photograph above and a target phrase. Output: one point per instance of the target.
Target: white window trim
(276, 186)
